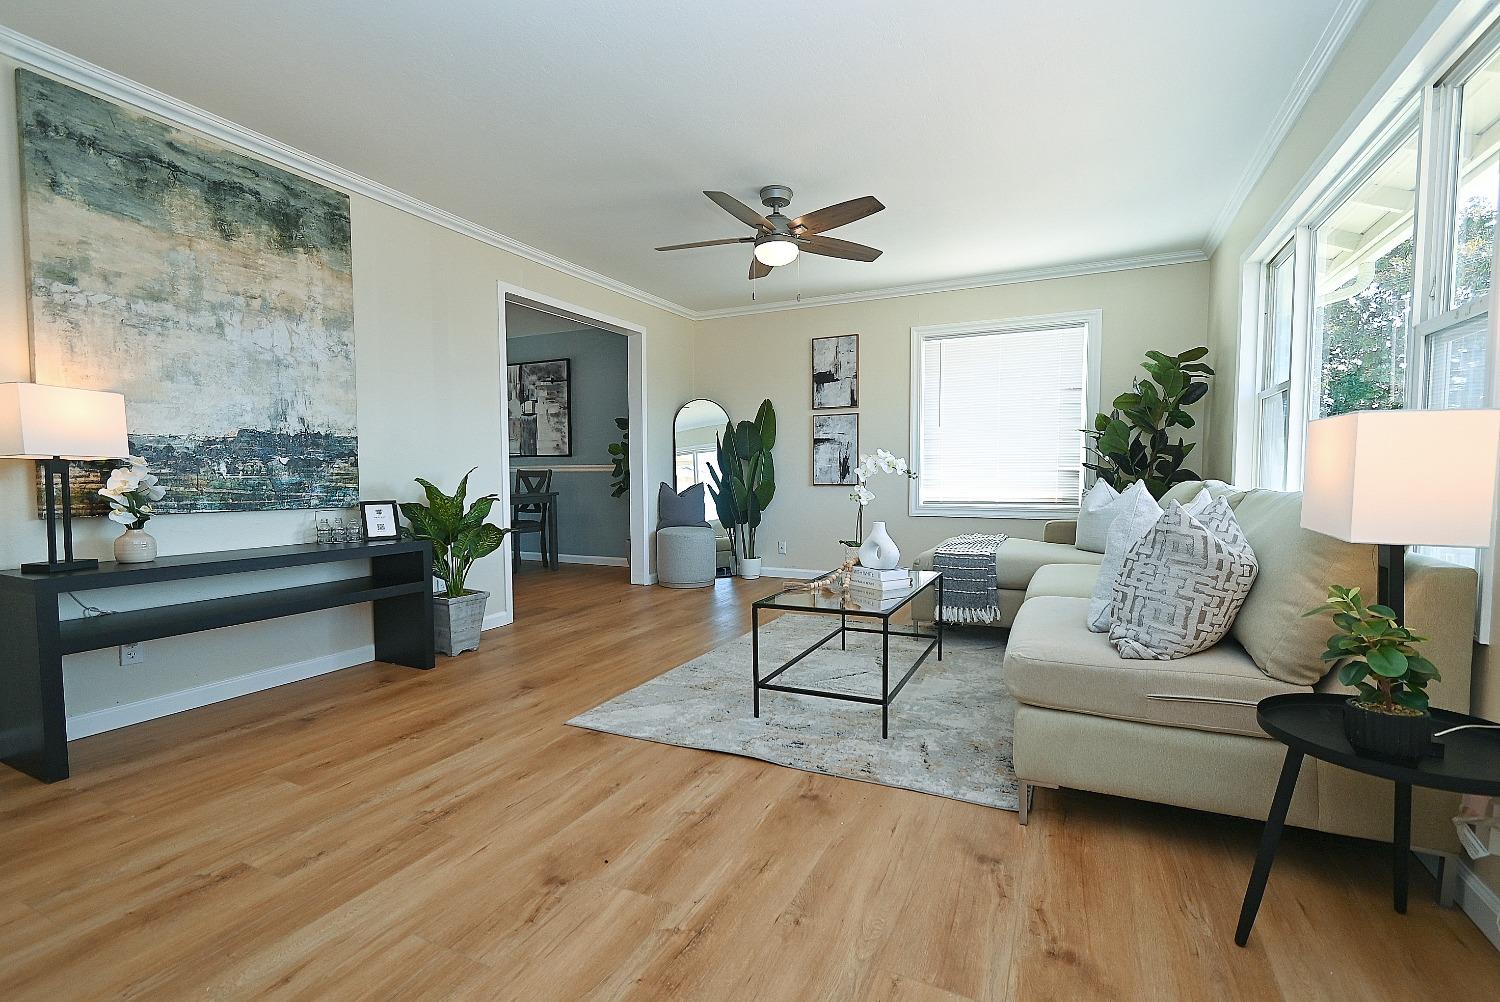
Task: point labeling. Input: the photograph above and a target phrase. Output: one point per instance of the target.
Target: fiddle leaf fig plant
(1133, 441)
(1376, 655)
(459, 535)
(619, 454)
(744, 480)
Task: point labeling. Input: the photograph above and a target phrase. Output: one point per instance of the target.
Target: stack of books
(870, 584)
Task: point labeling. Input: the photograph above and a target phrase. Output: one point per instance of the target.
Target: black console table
(34, 638)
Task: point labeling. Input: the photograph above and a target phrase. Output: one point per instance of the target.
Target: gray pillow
(679, 509)
(1181, 585)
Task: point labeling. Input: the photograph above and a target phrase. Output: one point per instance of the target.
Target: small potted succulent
(131, 491)
(1378, 656)
(459, 536)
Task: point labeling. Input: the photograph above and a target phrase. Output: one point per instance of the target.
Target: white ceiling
(1000, 134)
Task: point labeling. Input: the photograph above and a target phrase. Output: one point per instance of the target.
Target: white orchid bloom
(110, 493)
(862, 495)
(121, 516)
(901, 467)
(156, 493)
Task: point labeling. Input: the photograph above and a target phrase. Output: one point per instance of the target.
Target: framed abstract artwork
(835, 372)
(835, 451)
(539, 408)
(213, 290)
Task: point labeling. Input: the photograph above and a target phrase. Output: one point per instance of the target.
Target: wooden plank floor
(385, 833)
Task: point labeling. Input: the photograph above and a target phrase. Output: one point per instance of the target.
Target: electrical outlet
(132, 654)
(781, 547)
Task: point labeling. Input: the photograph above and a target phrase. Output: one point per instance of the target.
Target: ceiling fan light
(776, 252)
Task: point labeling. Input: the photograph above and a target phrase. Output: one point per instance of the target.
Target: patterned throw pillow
(1182, 585)
(1127, 530)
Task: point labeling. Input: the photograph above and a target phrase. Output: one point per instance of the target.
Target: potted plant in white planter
(743, 482)
(131, 491)
(1373, 653)
(459, 537)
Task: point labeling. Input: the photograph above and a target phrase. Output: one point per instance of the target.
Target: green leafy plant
(620, 454)
(1375, 654)
(1133, 441)
(459, 536)
(744, 482)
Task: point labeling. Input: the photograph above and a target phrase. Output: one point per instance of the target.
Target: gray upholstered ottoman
(685, 556)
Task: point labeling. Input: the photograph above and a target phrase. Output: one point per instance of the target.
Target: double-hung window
(1274, 397)
(999, 410)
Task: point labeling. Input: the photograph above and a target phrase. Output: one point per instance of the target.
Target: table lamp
(57, 425)
(1402, 478)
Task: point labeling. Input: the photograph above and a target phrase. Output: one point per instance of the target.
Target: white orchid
(131, 491)
(862, 495)
(879, 461)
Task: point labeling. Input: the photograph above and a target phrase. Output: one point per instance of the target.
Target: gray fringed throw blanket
(967, 564)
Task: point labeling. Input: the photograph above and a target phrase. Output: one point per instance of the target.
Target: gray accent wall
(590, 523)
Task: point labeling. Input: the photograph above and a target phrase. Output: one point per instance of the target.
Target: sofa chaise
(1183, 732)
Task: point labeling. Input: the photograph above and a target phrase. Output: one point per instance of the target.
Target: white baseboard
(113, 717)
(791, 572)
(1479, 902)
(495, 620)
(581, 558)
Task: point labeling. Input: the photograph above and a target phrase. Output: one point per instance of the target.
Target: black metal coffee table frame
(1312, 724)
(927, 581)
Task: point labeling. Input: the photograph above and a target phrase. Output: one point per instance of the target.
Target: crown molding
(1015, 277)
(71, 69)
(1345, 16)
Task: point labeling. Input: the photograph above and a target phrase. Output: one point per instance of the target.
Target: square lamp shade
(46, 422)
(1407, 478)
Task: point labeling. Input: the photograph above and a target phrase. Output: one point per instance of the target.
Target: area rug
(950, 727)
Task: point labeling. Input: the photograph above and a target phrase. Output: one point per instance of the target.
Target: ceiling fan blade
(709, 243)
(757, 269)
(833, 247)
(740, 210)
(838, 215)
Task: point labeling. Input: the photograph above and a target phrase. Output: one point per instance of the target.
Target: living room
(1086, 358)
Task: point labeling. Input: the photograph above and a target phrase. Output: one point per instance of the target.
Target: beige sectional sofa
(1183, 732)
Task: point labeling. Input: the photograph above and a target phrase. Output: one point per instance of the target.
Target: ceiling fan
(778, 239)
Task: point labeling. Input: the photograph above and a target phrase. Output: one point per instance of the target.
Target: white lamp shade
(1411, 478)
(43, 422)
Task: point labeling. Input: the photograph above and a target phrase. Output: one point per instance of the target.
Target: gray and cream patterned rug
(950, 726)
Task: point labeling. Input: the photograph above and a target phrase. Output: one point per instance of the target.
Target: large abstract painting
(539, 406)
(212, 289)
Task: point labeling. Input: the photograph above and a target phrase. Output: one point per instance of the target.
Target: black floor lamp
(57, 425)
(1399, 479)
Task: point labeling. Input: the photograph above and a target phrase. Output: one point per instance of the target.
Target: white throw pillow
(1100, 507)
(1181, 584)
(1126, 530)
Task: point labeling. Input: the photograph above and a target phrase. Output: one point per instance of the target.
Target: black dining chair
(531, 516)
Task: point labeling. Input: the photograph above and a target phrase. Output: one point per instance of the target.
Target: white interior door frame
(635, 379)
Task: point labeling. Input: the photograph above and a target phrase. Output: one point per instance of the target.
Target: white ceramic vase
(879, 550)
(135, 546)
(750, 568)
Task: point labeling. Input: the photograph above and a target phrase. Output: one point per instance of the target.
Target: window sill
(1019, 512)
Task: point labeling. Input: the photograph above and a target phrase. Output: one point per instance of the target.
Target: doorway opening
(573, 437)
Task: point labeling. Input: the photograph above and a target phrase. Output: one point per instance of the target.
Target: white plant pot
(750, 568)
(458, 622)
(135, 546)
(879, 550)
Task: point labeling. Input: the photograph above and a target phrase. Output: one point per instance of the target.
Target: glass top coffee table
(820, 604)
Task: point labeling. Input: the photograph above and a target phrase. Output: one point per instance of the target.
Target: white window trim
(1091, 320)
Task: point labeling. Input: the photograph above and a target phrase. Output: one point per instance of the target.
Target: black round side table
(1312, 724)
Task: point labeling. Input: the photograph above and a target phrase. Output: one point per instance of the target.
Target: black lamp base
(59, 566)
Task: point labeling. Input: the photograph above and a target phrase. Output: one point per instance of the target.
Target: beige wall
(429, 399)
(740, 360)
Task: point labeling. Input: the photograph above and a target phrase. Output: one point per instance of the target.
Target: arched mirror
(694, 429)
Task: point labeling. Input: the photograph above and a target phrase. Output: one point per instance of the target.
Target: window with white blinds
(1000, 409)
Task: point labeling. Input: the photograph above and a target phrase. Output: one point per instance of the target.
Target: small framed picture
(379, 518)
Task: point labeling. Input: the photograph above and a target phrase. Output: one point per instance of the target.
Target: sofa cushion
(1188, 489)
(1052, 660)
(1068, 580)
(1182, 584)
(1296, 567)
(1018, 559)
